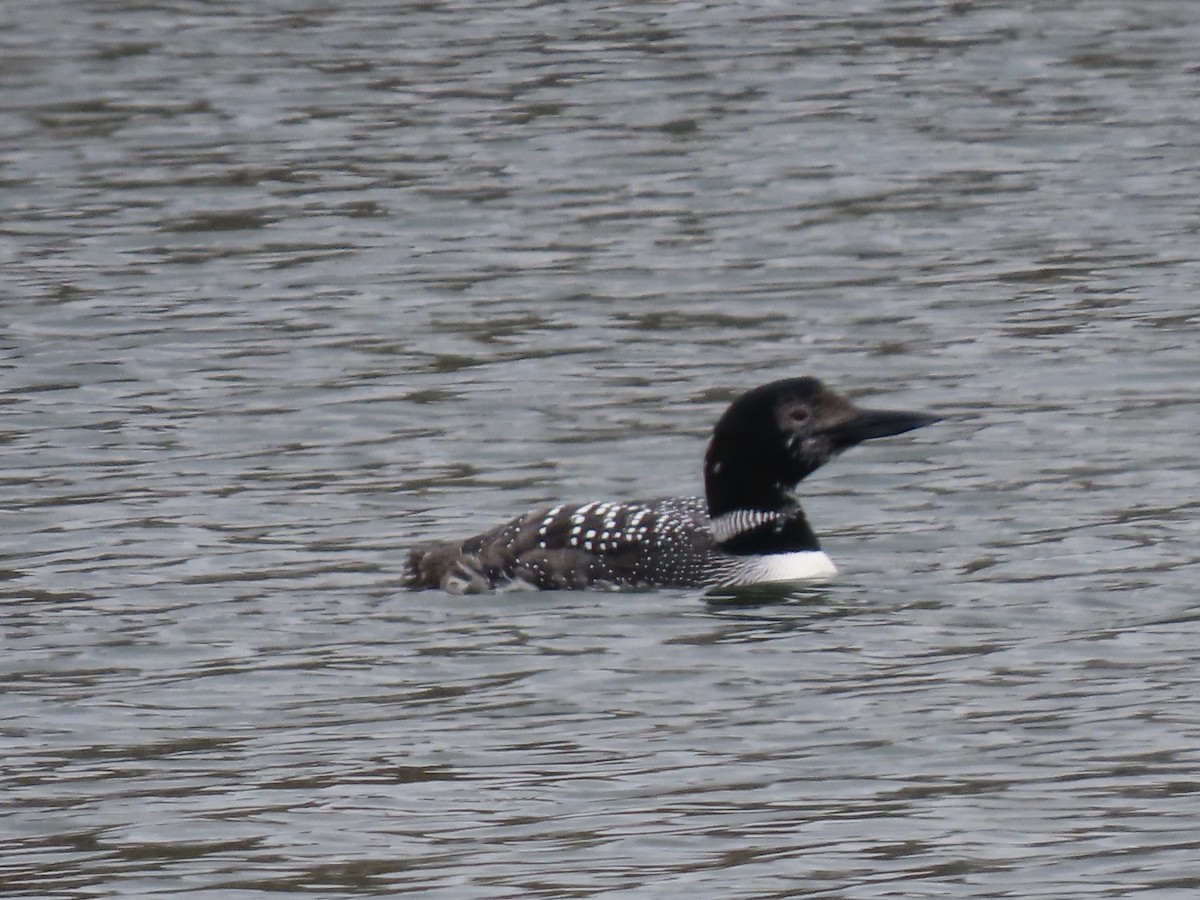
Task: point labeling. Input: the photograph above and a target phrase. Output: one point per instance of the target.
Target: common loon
(749, 529)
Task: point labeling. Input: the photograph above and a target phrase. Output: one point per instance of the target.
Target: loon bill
(748, 529)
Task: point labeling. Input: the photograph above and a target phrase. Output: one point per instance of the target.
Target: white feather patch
(799, 566)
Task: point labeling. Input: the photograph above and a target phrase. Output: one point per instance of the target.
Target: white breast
(799, 566)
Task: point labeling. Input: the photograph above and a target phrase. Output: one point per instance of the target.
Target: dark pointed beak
(866, 424)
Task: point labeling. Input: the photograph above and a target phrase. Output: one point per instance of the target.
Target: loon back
(749, 529)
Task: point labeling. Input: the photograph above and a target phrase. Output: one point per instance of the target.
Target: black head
(773, 436)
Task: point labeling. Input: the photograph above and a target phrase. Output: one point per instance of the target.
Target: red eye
(797, 415)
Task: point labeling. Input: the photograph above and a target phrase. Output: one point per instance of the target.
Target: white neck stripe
(727, 526)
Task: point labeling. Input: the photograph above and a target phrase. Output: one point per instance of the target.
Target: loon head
(773, 436)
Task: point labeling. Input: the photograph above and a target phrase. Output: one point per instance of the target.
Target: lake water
(287, 288)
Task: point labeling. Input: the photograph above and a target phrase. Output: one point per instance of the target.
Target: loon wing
(596, 545)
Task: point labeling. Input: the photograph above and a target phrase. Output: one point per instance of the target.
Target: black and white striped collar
(736, 522)
(745, 532)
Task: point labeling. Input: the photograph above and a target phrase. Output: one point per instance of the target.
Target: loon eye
(797, 415)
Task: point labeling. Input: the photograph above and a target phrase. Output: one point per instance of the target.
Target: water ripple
(287, 291)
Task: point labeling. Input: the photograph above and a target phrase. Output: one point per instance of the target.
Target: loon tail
(445, 565)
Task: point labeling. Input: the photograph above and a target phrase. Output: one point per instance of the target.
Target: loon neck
(747, 471)
(752, 504)
(753, 532)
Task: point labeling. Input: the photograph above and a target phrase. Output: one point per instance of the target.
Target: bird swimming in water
(748, 529)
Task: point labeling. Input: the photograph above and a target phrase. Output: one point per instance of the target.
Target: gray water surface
(287, 288)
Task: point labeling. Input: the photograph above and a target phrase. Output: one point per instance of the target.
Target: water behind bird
(287, 291)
